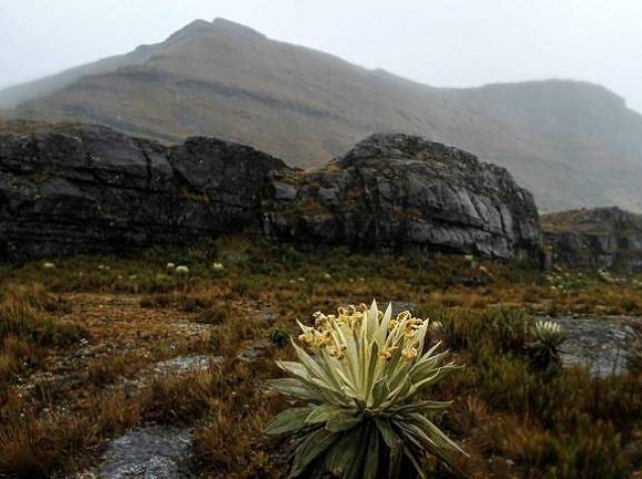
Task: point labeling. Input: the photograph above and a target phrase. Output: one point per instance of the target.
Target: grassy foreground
(79, 336)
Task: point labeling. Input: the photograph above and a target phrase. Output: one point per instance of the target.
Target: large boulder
(599, 238)
(91, 189)
(396, 191)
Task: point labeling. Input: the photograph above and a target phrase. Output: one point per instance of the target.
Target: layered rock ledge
(398, 191)
(91, 189)
(96, 190)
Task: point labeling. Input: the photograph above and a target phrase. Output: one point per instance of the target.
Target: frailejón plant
(544, 346)
(181, 270)
(360, 375)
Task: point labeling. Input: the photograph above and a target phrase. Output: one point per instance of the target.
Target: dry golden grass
(78, 342)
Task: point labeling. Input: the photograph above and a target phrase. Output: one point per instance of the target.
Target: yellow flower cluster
(330, 332)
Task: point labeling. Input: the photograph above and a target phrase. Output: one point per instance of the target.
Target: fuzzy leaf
(344, 451)
(371, 374)
(437, 375)
(343, 421)
(382, 330)
(355, 466)
(419, 407)
(296, 369)
(394, 444)
(397, 370)
(387, 433)
(295, 388)
(380, 390)
(436, 436)
(371, 321)
(340, 372)
(425, 364)
(314, 445)
(351, 355)
(288, 421)
(415, 462)
(371, 465)
(322, 413)
(329, 391)
(330, 394)
(313, 368)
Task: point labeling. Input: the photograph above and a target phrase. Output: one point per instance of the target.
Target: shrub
(279, 337)
(360, 375)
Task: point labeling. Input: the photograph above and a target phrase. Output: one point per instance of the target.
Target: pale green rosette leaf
(290, 420)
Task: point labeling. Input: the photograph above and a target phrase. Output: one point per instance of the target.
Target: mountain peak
(203, 27)
(191, 29)
(222, 23)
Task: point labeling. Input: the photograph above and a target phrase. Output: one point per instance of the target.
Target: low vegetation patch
(80, 341)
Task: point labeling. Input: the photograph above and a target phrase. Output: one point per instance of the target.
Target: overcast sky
(438, 42)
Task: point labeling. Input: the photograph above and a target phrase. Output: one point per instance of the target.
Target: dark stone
(396, 191)
(96, 190)
(92, 189)
(600, 238)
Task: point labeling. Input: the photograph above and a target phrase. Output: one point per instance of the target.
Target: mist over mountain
(573, 144)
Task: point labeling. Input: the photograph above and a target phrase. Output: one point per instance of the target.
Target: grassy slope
(78, 338)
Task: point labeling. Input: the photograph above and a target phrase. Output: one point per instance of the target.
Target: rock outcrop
(91, 189)
(397, 191)
(601, 238)
(95, 190)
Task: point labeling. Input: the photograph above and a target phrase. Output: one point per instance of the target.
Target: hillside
(572, 144)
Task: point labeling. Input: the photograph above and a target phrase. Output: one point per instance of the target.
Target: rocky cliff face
(93, 189)
(396, 191)
(596, 238)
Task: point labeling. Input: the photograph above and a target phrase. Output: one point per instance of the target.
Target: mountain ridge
(572, 143)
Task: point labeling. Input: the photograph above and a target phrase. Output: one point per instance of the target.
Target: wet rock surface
(158, 452)
(598, 343)
(396, 191)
